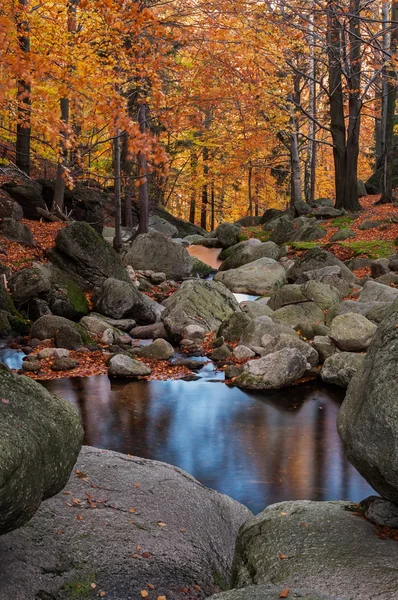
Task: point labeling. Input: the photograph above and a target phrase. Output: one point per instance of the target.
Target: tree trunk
(213, 199)
(192, 206)
(60, 183)
(351, 201)
(337, 123)
(127, 188)
(296, 189)
(312, 155)
(387, 176)
(205, 194)
(117, 240)
(23, 97)
(143, 174)
(249, 188)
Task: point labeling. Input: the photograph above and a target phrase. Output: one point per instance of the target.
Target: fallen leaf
(134, 556)
(5, 401)
(282, 556)
(197, 587)
(284, 593)
(161, 524)
(102, 594)
(283, 514)
(132, 510)
(79, 518)
(93, 585)
(146, 555)
(151, 587)
(144, 593)
(161, 598)
(138, 547)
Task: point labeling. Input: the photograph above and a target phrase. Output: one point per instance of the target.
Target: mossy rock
(201, 269)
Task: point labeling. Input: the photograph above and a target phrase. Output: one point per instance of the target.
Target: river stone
(84, 253)
(158, 350)
(324, 346)
(227, 252)
(323, 294)
(204, 303)
(157, 252)
(273, 372)
(249, 253)
(328, 275)
(294, 314)
(40, 437)
(268, 592)
(285, 340)
(374, 311)
(341, 367)
(194, 548)
(221, 354)
(380, 267)
(46, 327)
(156, 223)
(232, 328)
(377, 292)
(150, 332)
(122, 300)
(260, 277)
(200, 269)
(122, 366)
(352, 332)
(17, 232)
(317, 258)
(329, 551)
(242, 352)
(367, 422)
(283, 231)
(288, 294)
(64, 364)
(227, 234)
(194, 239)
(256, 309)
(259, 327)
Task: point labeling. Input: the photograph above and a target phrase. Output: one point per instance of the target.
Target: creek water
(259, 448)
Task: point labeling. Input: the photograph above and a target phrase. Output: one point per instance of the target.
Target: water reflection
(258, 449)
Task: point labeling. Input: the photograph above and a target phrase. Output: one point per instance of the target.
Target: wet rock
(157, 252)
(203, 303)
(284, 340)
(340, 368)
(122, 300)
(232, 328)
(40, 439)
(195, 548)
(122, 366)
(221, 354)
(368, 416)
(273, 372)
(352, 332)
(260, 277)
(64, 364)
(259, 327)
(330, 555)
(194, 332)
(158, 350)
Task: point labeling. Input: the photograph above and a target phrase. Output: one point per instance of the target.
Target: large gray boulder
(227, 252)
(249, 253)
(9, 208)
(323, 294)
(352, 332)
(204, 303)
(286, 340)
(156, 252)
(317, 258)
(341, 367)
(367, 422)
(28, 194)
(322, 547)
(374, 311)
(136, 522)
(227, 234)
(160, 349)
(232, 328)
(84, 254)
(122, 300)
(47, 326)
(260, 326)
(40, 438)
(17, 232)
(378, 292)
(294, 315)
(269, 592)
(273, 372)
(283, 232)
(308, 233)
(122, 366)
(262, 277)
(330, 275)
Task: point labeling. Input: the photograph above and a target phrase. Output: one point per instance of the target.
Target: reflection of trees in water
(257, 448)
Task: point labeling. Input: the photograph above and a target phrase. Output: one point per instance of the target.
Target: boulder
(200, 269)
(369, 224)
(17, 232)
(283, 232)
(327, 212)
(323, 202)
(221, 354)
(323, 294)
(271, 214)
(248, 221)
(249, 253)
(185, 535)
(262, 277)
(233, 327)
(374, 311)
(84, 254)
(243, 352)
(380, 267)
(64, 364)
(378, 292)
(122, 300)
(329, 551)
(380, 511)
(273, 372)
(47, 327)
(340, 368)
(41, 437)
(28, 194)
(9, 208)
(317, 258)
(330, 275)
(368, 417)
(269, 592)
(361, 188)
(157, 252)
(156, 223)
(84, 202)
(204, 303)
(293, 315)
(149, 332)
(69, 337)
(352, 332)
(123, 366)
(324, 346)
(30, 283)
(227, 234)
(342, 235)
(257, 328)
(286, 340)
(308, 233)
(195, 239)
(185, 228)
(302, 208)
(158, 350)
(256, 309)
(238, 247)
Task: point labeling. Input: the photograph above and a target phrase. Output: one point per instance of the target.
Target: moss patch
(343, 222)
(254, 232)
(372, 249)
(78, 589)
(304, 245)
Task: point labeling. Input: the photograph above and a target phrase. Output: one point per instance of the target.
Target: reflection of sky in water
(11, 357)
(257, 448)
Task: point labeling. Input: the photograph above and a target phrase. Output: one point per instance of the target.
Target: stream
(258, 448)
